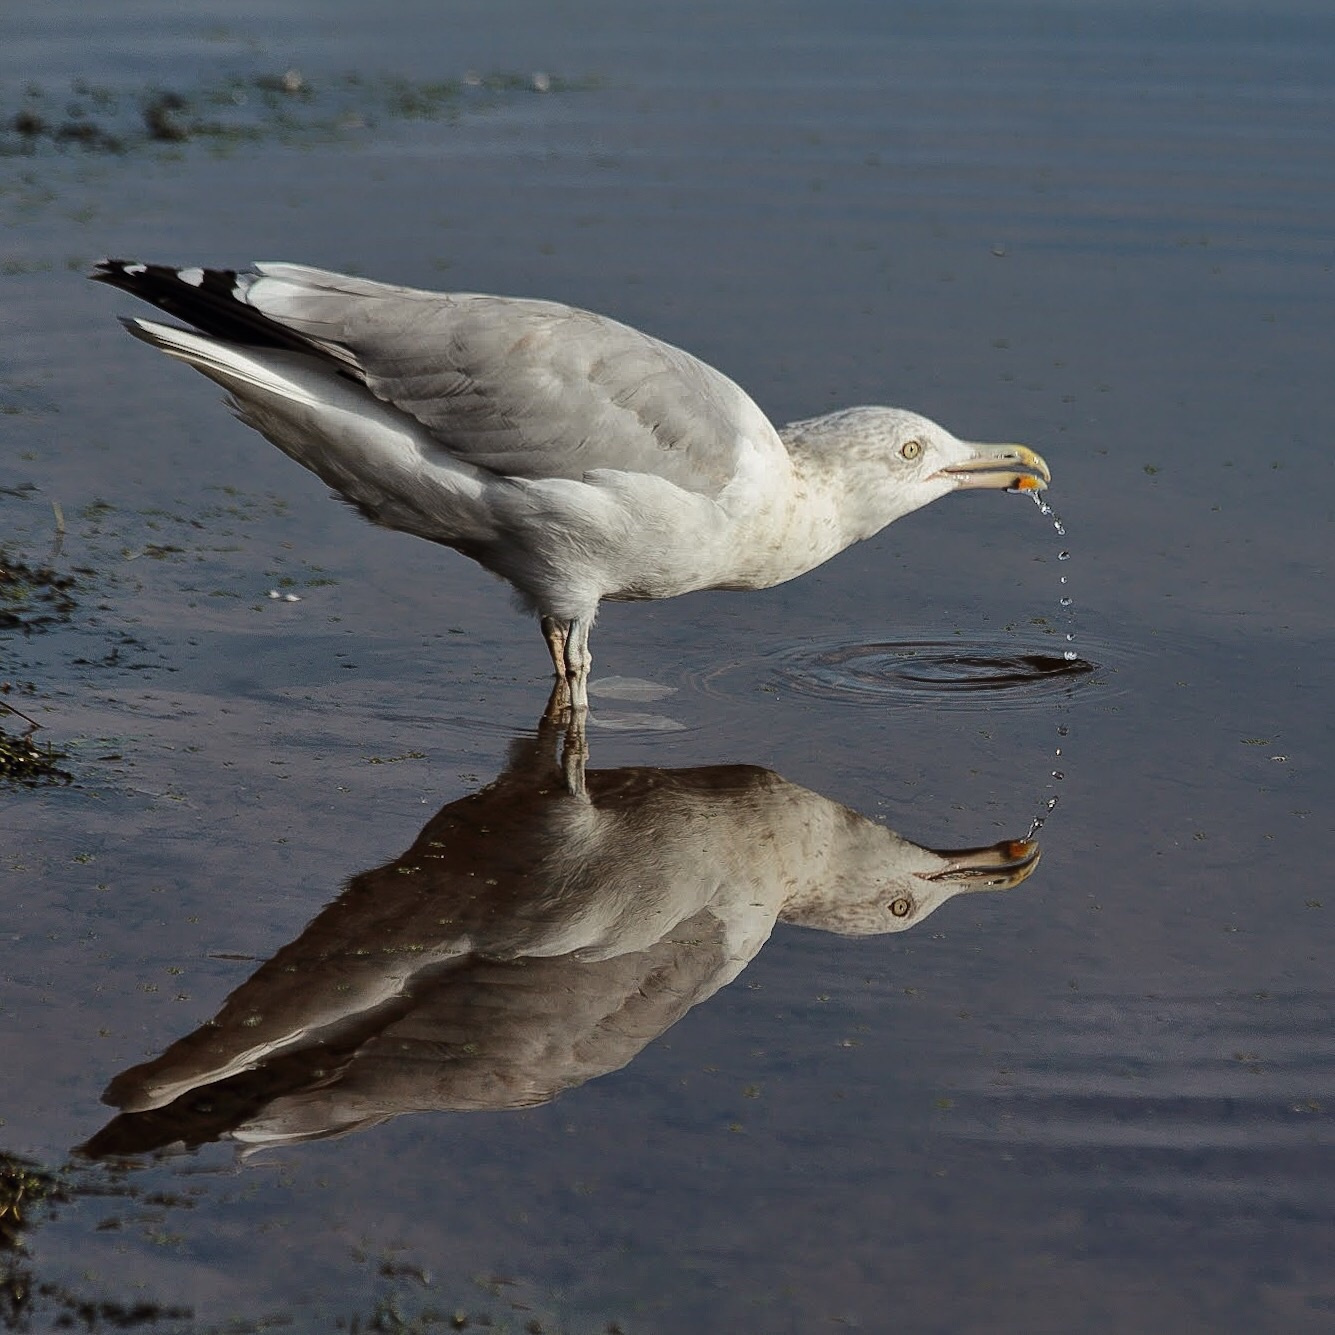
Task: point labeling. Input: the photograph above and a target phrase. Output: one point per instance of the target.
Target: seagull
(575, 457)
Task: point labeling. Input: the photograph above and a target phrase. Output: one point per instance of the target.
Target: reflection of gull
(574, 456)
(531, 939)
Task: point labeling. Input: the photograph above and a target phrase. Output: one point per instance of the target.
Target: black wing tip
(213, 301)
(151, 281)
(130, 273)
(114, 272)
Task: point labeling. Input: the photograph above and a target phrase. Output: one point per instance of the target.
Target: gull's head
(894, 461)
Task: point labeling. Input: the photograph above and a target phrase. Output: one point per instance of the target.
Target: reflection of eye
(901, 907)
(910, 449)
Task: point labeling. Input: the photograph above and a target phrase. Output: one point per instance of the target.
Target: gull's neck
(842, 490)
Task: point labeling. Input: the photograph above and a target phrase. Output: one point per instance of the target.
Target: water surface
(1099, 1100)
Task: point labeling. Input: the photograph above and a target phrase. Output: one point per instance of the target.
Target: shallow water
(1100, 1100)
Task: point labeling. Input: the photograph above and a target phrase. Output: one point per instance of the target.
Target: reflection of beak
(1010, 466)
(997, 867)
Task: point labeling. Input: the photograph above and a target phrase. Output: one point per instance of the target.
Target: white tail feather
(373, 455)
(235, 367)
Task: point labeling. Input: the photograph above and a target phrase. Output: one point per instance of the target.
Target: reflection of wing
(509, 1034)
(484, 1035)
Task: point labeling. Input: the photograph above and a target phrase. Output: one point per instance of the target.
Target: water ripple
(960, 672)
(1223, 1097)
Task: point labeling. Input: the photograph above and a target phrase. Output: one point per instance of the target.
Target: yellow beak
(1013, 467)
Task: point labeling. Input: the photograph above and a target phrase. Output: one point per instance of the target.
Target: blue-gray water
(1099, 1101)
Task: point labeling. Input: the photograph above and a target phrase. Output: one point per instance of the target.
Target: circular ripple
(947, 672)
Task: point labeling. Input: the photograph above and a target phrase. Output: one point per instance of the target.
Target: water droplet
(1069, 655)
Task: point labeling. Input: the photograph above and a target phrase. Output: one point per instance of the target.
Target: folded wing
(522, 388)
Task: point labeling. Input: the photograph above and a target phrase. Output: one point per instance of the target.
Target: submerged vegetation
(26, 762)
(85, 118)
(31, 1194)
(121, 1199)
(31, 598)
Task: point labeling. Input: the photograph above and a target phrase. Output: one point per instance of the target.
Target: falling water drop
(1036, 824)
(1069, 654)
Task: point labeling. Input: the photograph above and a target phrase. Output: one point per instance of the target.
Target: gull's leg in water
(568, 645)
(554, 632)
(578, 662)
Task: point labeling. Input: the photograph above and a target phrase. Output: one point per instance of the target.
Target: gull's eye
(911, 449)
(902, 906)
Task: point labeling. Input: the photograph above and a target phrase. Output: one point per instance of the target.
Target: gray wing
(529, 389)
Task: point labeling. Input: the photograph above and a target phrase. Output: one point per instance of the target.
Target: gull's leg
(554, 632)
(555, 635)
(578, 662)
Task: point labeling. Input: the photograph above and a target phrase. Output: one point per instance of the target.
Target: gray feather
(524, 388)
